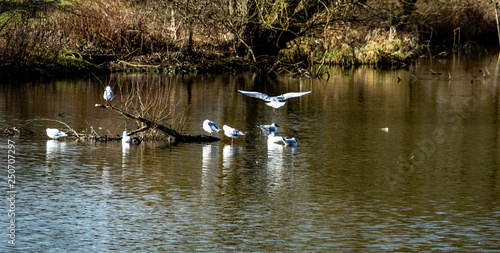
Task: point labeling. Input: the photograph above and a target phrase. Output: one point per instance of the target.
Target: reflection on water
(275, 166)
(210, 174)
(55, 148)
(381, 165)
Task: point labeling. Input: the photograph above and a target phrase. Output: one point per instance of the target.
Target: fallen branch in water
(17, 130)
(138, 65)
(151, 124)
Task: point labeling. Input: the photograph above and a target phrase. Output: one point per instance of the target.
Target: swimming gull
(290, 142)
(273, 138)
(270, 128)
(55, 133)
(129, 139)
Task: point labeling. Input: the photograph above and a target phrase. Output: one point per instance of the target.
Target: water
(402, 160)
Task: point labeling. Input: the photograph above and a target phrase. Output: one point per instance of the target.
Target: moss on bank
(96, 64)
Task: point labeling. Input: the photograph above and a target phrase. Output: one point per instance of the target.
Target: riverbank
(58, 38)
(107, 64)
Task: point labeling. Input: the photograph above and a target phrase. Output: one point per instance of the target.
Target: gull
(129, 139)
(108, 94)
(273, 138)
(274, 102)
(289, 142)
(270, 128)
(55, 133)
(125, 137)
(210, 127)
(232, 132)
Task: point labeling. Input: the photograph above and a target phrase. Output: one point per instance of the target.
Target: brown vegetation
(203, 35)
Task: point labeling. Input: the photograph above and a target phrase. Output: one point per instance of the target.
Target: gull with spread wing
(276, 101)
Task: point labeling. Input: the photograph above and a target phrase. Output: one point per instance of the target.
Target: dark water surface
(404, 160)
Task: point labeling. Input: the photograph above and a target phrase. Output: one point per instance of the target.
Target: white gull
(276, 101)
(210, 127)
(232, 132)
(55, 133)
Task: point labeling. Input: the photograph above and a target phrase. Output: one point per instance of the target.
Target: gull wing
(256, 94)
(229, 130)
(292, 95)
(210, 126)
(213, 126)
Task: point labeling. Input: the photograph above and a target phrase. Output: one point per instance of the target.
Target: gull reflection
(275, 166)
(228, 154)
(53, 148)
(105, 179)
(128, 149)
(209, 157)
(290, 149)
(125, 155)
(209, 170)
(125, 149)
(274, 156)
(279, 164)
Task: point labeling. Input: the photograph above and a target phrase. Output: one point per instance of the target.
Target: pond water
(387, 160)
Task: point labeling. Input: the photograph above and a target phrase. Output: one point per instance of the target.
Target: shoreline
(102, 64)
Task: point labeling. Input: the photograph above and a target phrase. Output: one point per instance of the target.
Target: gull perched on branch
(276, 101)
(108, 94)
(55, 133)
(210, 127)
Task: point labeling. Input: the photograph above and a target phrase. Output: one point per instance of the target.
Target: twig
(58, 121)
(498, 25)
(139, 65)
(178, 136)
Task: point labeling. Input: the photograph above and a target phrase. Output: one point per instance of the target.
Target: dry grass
(455, 21)
(37, 43)
(114, 27)
(119, 28)
(139, 27)
(378, 32)
(352, 47)
(386, 47)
